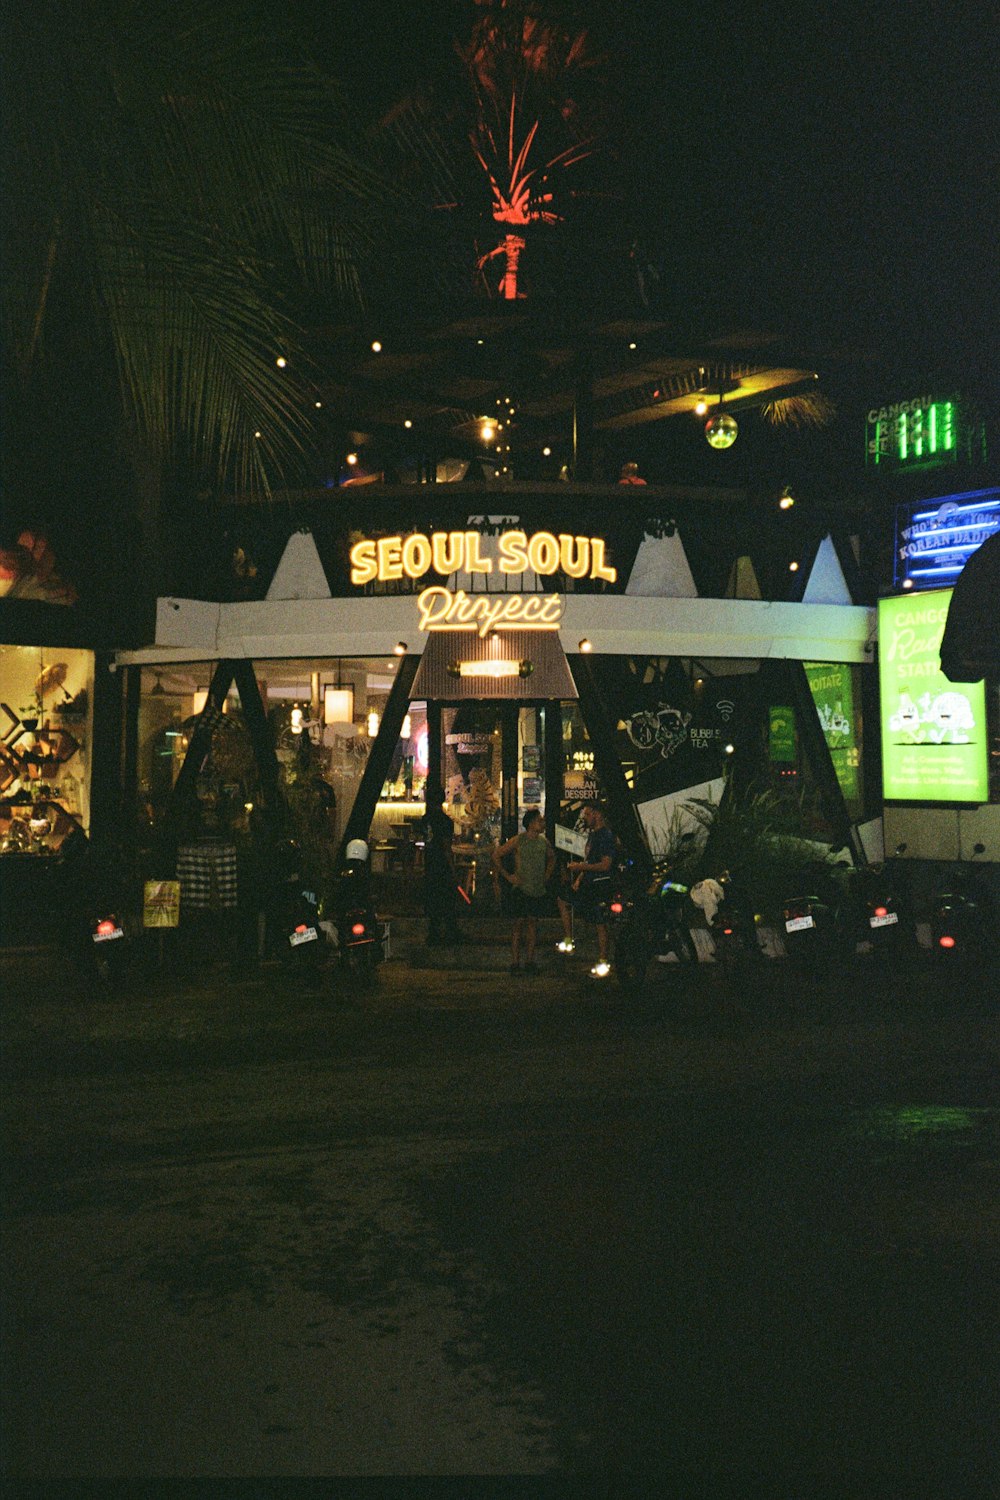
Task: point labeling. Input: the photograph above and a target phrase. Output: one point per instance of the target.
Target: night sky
(830, 168)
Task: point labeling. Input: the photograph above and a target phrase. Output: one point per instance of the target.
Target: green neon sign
(934, 744)
(921, 430)
(783, 744)
(832, 688)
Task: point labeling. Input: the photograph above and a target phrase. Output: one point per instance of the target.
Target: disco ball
(721, 431)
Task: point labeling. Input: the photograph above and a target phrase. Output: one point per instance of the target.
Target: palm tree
(178, 186)
(521, 67)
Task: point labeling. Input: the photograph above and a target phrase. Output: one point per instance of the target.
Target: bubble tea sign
(933, 730)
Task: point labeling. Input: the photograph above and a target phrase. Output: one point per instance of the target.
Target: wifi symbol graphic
(725, 709)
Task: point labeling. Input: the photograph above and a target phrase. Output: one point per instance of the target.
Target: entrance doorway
(493, 768)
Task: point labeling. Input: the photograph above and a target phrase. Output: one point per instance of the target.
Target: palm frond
(176, 175)
(813, 409)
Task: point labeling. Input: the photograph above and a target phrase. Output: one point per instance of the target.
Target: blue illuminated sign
(936, 538)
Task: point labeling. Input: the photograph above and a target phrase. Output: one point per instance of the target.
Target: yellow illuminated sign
(447, 552)
(441, 609)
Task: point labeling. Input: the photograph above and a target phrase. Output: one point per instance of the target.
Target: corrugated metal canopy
(549, 675)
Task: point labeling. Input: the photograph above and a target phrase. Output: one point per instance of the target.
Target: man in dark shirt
(591, 884)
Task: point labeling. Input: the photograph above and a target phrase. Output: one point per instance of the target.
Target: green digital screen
(918, 431)
(934, 733)
(783, 745)
(832, 688)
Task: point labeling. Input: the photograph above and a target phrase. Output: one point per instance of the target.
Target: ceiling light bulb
(376, 347)
(407, 424)
(399, 649)
(586, 645)
(352, 459)
(546, 452)
(793, 567)
(281, 361)
(487, 432)
(317, 404)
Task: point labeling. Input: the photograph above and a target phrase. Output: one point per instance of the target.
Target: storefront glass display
(46, 697)
(323, 715)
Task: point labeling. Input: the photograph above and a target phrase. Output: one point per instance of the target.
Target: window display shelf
(35, 828)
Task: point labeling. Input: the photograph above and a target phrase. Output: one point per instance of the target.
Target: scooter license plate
(797, 924)
(108, 937)
(309, 936)
(886, 921)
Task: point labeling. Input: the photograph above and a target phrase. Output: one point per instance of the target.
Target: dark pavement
(726, 1240)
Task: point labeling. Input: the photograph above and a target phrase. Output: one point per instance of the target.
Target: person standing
(439, 877)
(534, 861)
(591, 883)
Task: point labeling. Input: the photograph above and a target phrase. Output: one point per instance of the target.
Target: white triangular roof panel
(827, 584)
(661, 570)
(299, 575)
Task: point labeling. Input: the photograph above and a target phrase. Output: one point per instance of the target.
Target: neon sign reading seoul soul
(448, 552)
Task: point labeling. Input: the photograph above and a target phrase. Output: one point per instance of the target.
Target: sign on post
(161, 903)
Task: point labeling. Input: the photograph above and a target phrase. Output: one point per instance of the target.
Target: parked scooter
(883, 925)
(814, 923)
(97, 902)
(110, 946)
(733, 925)
(359, 932)
(962, 917)
(654, 922)
(300, 938)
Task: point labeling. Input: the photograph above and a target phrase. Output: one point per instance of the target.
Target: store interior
(46, 705)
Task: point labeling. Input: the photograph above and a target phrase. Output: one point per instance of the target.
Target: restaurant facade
(553, 649)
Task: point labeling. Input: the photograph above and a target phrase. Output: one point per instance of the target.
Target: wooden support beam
(380, 758)
(624, 818)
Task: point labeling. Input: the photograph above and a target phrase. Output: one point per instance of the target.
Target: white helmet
(357, 849)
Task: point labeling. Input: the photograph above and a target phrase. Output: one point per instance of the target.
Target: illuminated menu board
(936, 538)
(934, 740)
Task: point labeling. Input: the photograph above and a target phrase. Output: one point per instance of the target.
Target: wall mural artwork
(664, 727)
(672, 732)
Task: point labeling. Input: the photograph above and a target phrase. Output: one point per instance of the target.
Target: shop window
(46, 697)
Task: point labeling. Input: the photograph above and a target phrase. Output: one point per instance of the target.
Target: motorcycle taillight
(727, 931)
(881, 911)
(357, 929)
(617, 908)
(301, 927)
(108, 925)
(946, 940)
